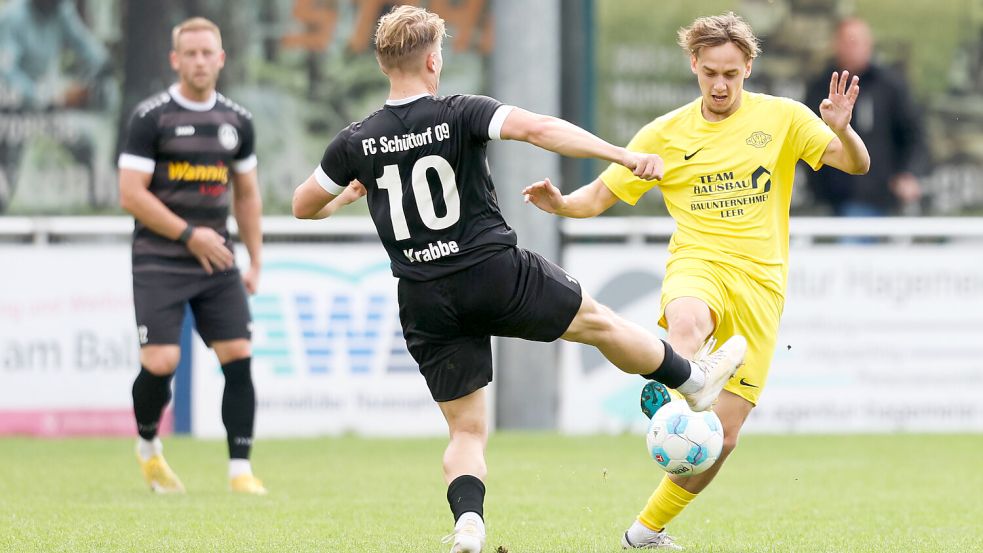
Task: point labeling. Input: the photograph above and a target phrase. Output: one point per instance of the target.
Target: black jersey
(429, 189)
(191, 148)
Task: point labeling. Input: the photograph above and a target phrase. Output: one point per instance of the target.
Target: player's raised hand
(645, 166)
(209, 248)
(837, 109)
(543, 195)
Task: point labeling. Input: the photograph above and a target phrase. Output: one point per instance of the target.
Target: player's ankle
(238, 467)
(149, 448)
(697, 380)
(639, 532)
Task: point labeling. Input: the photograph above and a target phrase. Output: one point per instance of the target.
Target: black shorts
(448, 322)
(218, 302)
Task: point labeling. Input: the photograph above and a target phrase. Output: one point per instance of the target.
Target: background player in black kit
(185, 146)
(462, 279)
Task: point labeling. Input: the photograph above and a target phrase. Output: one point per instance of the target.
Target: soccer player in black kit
(184, 148)
(462, 279)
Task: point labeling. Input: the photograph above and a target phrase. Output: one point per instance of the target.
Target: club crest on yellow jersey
(758, 139)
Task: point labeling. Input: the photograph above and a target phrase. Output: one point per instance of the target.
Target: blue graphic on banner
(329, 328)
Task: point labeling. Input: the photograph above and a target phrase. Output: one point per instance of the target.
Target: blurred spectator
(34, 35)
(49, 60)
(886, 119)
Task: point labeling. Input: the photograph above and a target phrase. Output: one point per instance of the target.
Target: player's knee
(159, 369)
(160, 363)
(592, 324)
(684, 323)
(603, 320)
(231, 350)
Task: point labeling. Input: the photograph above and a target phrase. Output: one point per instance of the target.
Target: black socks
(466, 494)
(239, 407)
(674, 370)
(150, 395)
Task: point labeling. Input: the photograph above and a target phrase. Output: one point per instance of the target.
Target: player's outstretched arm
(587, 201)
(847, 152)
(311, 201)
(565, 138)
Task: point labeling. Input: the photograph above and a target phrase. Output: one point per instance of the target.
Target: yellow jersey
(728, 184)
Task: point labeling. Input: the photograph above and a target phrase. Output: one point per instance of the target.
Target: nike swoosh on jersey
(746, 383)
(687, 156)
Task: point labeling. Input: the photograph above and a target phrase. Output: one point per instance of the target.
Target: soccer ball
(683, 442)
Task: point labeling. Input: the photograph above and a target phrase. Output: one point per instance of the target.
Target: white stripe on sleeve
(137, 163)
(329, 186)
(245, 165)
(497, 120)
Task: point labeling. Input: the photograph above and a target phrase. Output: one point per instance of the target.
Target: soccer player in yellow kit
(730, 159)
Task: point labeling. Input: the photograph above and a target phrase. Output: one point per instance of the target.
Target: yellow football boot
(247, 483)
(159, 475)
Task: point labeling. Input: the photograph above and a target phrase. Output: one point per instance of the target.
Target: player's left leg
(753, 311)
(158, 301)
(239, 413)
(675, 493)
(465, 469)
(222, 318)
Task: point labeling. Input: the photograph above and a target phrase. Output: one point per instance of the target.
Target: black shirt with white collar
(429, 189)
(190, 149)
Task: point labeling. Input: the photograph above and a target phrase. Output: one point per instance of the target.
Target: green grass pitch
(546, 493)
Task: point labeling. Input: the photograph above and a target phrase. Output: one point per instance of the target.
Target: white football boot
(468, 536)
(639, 536)
(717, 368)
(657, 540)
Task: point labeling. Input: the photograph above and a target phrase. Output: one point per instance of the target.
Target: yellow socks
(667, 501)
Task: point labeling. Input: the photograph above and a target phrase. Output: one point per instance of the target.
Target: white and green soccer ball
(683, 442)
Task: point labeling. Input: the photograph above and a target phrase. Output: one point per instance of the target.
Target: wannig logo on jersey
(185, 171)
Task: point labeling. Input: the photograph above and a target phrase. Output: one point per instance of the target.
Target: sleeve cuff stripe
(497, 120)
(137, 163)
(245, 165)
(326, 183)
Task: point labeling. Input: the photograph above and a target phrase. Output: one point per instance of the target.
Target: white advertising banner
(328, 350)
(68, 343)
(874, 338)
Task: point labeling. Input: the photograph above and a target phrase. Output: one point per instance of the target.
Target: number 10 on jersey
(391, 182)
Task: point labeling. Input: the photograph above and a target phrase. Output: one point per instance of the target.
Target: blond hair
(194, 24)
(715, 30)
(405, 32)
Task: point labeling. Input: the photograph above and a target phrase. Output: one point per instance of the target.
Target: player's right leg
(634, 350)
(151, 393)
(465, 469)
(456, 362)
(159, 306)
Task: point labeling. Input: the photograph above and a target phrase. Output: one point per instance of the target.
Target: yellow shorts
(739, 305)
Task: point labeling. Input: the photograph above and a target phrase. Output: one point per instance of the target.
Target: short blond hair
(405, 32)
(715, 30)
(194, 24)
